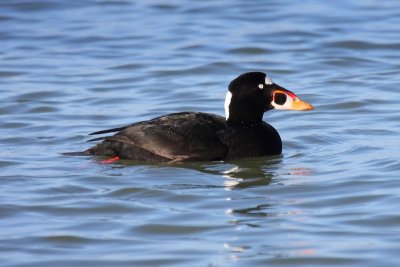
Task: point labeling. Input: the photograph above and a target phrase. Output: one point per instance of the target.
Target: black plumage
(197, 136)
(188, 136)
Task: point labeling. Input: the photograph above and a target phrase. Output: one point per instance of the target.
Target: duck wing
(179, 136)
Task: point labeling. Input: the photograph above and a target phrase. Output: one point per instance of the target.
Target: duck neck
(244, 119)
(243, 112)
(243, 124)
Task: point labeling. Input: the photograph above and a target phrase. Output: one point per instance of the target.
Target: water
(68, 68)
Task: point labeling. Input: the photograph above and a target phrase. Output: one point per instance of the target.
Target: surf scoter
(197, 136)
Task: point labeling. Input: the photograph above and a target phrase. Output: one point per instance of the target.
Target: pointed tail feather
(108, 131)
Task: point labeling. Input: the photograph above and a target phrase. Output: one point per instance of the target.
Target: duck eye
(261, 86)
(280, 98)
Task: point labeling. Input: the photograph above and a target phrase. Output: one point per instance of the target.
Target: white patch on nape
(268, 80)
(228, 99)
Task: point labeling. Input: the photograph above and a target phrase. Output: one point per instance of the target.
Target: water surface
(68, 68)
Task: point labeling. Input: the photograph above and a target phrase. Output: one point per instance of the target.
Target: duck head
(253, 93)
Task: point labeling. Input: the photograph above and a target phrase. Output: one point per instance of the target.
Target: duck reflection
(239, 192)
(240, 174)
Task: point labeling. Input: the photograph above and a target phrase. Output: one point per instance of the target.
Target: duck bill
(286, 100)
(301, 105)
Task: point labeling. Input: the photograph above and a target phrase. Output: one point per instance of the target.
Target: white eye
(261, 86)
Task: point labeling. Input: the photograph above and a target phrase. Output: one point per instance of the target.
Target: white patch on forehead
(268, 80)
(228, 98)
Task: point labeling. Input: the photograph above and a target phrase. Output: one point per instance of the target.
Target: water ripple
(69, 68)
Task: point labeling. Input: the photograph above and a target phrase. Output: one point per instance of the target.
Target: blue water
(68, 68)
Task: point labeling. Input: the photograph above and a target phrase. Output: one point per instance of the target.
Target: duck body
(196, 136)
(188, 136)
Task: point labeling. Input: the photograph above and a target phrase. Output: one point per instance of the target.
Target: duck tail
(79, 153)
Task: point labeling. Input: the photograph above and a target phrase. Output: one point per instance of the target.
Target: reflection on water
(248, 173)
